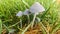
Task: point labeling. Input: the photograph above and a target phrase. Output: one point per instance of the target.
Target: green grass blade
(0, 26)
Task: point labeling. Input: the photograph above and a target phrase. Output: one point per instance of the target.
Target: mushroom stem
(33, 20)
(28, 19)
(21, 23)
(31, 24)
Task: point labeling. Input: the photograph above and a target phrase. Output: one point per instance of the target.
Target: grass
(0, 26)
(9, 8)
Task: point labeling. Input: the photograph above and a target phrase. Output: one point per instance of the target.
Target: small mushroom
(27, 12)
(36, 8)
(20, 13)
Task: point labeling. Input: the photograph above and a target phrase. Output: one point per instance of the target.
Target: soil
(58, 32)
(36, 30)
(4, 31)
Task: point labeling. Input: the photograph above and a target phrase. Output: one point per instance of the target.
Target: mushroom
(36, 8)
(19, 14)
(27, 12)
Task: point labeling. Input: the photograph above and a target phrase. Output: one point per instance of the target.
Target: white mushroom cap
(26, 12)
(20, 13)
(36, 8)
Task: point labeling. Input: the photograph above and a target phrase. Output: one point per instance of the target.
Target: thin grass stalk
(0, 26)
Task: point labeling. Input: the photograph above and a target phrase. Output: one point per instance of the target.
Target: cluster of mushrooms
(35, 9)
